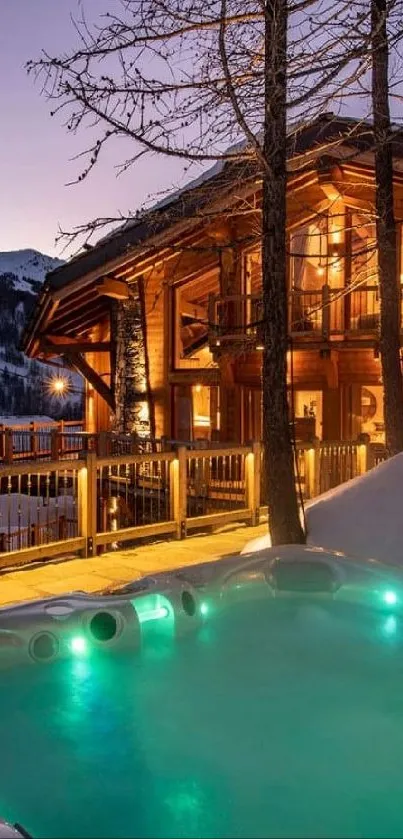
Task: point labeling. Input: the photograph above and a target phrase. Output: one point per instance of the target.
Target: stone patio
(111, 570)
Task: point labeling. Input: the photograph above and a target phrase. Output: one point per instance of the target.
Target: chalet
(161, 317)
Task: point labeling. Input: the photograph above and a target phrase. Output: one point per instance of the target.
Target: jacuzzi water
(276, 717)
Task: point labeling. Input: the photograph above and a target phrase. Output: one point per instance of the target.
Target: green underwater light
(153, 614)
(390, 597)
(78, 645)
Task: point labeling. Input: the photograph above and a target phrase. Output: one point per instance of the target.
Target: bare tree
(214, 81)
(389, 280)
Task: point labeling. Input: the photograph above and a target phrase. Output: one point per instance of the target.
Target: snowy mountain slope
(23, 382)
(27, 265)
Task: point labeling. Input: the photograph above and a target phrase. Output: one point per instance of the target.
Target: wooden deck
(90, 503)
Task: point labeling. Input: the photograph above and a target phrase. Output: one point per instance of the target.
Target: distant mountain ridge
(27, 265)
(23, 381)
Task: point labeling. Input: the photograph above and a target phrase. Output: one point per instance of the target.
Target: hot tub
(255, 697)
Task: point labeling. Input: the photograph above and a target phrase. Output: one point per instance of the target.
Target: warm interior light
(320, 271)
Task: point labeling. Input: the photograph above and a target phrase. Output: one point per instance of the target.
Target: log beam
(52, 345)
(109, 287)
(80, 364)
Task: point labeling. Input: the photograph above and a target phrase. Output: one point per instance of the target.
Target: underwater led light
(78, 645)
(153, 614)
(390, 598)
(390, 626)
(204, 609)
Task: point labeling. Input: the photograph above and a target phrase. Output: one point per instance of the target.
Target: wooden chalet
(162, 316)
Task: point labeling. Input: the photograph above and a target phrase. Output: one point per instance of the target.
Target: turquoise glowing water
(273, 720)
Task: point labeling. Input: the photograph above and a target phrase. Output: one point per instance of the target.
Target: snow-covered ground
(20, 513)
(362, 518)
(18, 510)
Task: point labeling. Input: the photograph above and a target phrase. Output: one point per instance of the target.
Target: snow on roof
(362, 518)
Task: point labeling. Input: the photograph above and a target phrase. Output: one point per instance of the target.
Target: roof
(327, 130)
(305, 143)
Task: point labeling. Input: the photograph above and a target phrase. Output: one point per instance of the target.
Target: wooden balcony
(314, 317)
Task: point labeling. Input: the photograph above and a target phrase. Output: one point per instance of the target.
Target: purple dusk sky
(36, 150)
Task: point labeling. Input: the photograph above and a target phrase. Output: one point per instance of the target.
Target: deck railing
(90, 503)
(316, 314)
(43, 441)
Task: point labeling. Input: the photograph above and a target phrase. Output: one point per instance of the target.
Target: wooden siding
(97, 414)
(158, 348)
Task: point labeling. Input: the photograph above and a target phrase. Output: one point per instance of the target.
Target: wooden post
(213, 326)
(178, 491)
(8, 445)
(54, 444)
(102, 444)
(312, 477)
(325, 311)
(87, 503)
(363, 454)
(33, 440)
(253, 463)
(61, 432)
(312, 469)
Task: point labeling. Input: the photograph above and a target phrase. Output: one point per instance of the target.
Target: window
(191, 322)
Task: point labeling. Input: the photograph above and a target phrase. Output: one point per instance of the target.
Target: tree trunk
(133, 415)
(386, 232)
(284, 520)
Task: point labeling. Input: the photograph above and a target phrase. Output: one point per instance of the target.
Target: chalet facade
(162, 317)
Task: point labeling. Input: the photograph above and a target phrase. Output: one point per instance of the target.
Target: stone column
(133, 414)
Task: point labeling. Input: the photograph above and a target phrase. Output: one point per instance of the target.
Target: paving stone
(110, 569)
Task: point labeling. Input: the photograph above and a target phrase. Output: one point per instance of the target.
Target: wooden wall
(158, 347)
(97, 412)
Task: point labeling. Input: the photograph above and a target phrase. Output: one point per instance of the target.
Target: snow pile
(363, 517)
(18, 510)
(20, 515)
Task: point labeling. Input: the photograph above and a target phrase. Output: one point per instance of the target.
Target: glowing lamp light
(78, 645)
(58, 385)
(204, 609)
(390, 598)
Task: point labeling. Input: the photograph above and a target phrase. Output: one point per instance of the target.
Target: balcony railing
(314, 314)
(85, 504)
